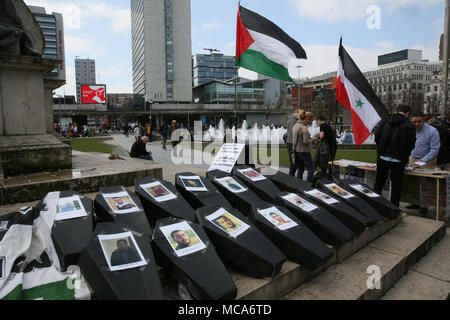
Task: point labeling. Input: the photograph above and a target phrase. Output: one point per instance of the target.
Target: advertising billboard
(93, 94)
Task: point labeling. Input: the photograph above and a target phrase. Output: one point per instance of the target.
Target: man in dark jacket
(138, 149)
(395, 137)
(292, 120)
(124, 254)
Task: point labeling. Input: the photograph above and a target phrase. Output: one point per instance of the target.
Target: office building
(208, 67)
(53, 29)
(84, 74)
(403, 81)
(161, 50)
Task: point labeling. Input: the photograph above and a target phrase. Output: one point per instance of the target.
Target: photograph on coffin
(158, 192)
(120, 202)
(300, 202)
(252, 174)
(339, 191)
(321, 196)
(364, 190)
(193, 183)
(70, 208)
(277, 218)
(228, 222)
(182, 238)
(3, 226)
(231, 184)
(121, 251)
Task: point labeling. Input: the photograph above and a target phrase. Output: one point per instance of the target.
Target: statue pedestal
(27, 143)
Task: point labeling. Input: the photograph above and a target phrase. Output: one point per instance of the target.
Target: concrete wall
(23, 102)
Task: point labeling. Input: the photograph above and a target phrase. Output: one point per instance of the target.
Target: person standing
(427, 144)
(326, 151)
(173, 137)
(164, 131)
(302, 144)
(292, 120)
(395, 137)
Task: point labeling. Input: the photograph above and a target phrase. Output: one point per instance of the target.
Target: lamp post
(298, 92)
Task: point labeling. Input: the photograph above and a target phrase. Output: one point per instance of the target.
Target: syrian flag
(261, 46)
(355, 93)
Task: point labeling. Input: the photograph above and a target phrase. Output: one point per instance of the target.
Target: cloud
(119, 89)
(210, 26)
(69, 88)
(120, 18)
(71, 12)
(75, 45)
(351, 10)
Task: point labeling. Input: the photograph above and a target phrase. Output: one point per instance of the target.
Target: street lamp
(298, 92)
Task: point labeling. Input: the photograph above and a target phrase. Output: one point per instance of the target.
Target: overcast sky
(101, 30)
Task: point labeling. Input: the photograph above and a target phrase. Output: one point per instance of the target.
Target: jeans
(146, 157)
(292, 167)
(303, 159)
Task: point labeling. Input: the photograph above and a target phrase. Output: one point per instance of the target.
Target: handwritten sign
(226, 157)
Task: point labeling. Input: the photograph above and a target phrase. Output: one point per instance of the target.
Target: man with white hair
(138, 150)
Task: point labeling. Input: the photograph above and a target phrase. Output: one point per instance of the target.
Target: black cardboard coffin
(155, 210)
(201, 272)
(265, 189)
(356, 202)
(198, 199)
(140, 283)
(383, 206)
(251, 251)
(299, 244)
(136, 221)
(70, 236)
(326, 226)
(242, 201)
(355, 221)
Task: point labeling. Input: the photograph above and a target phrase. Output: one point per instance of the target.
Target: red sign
(93, 94)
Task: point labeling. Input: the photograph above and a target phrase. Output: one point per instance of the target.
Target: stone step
(393, 253)
(293, 275)
(429, 279)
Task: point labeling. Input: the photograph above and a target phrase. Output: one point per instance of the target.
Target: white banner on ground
(227, 157)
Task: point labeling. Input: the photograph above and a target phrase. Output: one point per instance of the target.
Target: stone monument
(27, 142)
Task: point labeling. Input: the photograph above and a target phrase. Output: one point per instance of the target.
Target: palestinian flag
(354, 92)
(263, 47)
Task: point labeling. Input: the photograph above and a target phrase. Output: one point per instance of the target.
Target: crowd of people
(71, 130)
(300, 143)
(403, 140)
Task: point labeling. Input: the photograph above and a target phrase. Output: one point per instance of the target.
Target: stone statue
(20, 33)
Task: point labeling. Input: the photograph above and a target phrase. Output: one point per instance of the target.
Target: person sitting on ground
(138, 150)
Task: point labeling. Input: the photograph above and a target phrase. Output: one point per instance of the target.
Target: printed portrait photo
(121, 202)
(277, 218)
(321, 196)
(228, 222)
(182, 238)
(193, 183)
(158, 192)
(231, 184)
(252, 174)
(364, 190)
(339, 191)
(300, 202)
(70, 208)
(121, 251)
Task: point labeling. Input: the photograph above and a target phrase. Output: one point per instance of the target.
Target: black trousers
(292, 167)
(396, 170)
